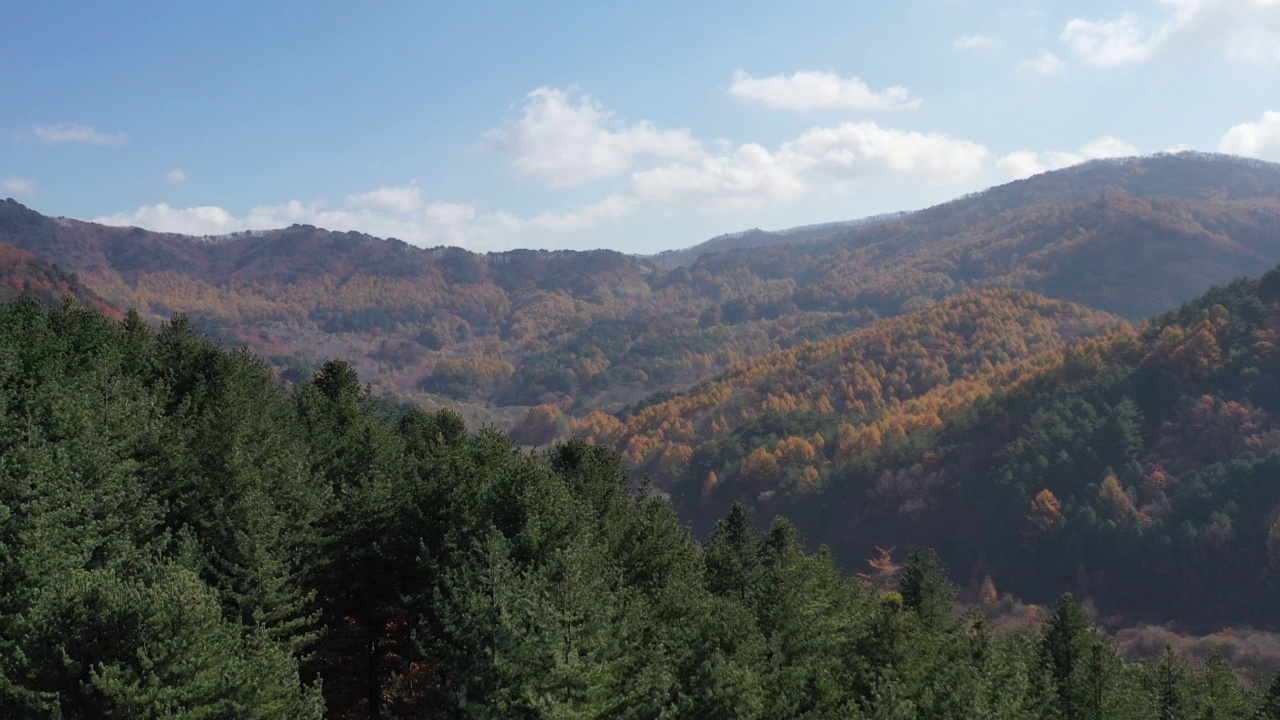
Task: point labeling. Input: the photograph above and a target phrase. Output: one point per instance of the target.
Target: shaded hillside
(302, 293)
(22, 273)
(1142, 470)
(1137, 469)
(1085, 234)
(600, 330)
(1133, 237)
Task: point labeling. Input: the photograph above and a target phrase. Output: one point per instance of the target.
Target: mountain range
(602, 330)
(918, 378)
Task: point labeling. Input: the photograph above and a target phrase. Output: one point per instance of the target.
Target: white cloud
(857, 150)
(18, 186)
(742, 179)
(737, 179)
(1107, 147)
(74, 132)
(1025, 163)
(1257, 139)
(609, 210)
(567, 139)
(588, 144)
(1108, 42)
(820, 90)
(1046, 63)
(386, 212)
(175, 177)
(203, 220)
(1247, 30)
(449, 214)
(752, 175)
(975, 42)
(389, 199)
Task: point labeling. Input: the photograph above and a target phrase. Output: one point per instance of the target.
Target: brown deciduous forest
(495, 334)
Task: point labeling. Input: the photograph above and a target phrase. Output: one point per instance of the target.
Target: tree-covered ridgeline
(584, 331)
(1141, 469)
(1135, 467)
(180, 537)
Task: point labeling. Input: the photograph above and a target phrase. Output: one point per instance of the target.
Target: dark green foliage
(458, 383)
(181, 537)
(1160, 444)
(1269, 703)
(926, 590)
(155, 525)
(1074, 660)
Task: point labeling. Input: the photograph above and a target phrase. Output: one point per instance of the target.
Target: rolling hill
(1136, 467)
(22, 273)
(756, 237)
(599, 330)
(778, 421)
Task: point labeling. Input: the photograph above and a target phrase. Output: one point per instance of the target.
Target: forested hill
(181, 537)
(1133, 236)
(22, 273)
(777, 423)
(1142, 468)
(1137, 468)
(497, 333)
(756, 237)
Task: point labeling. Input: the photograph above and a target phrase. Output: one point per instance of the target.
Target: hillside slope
(776, 422)
(22, 273)
(1137, 469)
(601, 330)
(756, 237)
(1133, 237)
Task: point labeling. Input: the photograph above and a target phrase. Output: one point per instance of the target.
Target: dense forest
(1136, 466)
(493, 334)
(901, 375)
(22, 273)
(181, 535)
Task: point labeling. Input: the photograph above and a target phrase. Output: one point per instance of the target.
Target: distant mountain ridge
(603, 330)
(755, 237)
(1185, 221)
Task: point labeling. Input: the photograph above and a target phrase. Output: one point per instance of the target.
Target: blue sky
(638, 126)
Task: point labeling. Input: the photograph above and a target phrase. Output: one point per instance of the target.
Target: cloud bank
(18, 186)
(820, 91)
(1025, 163)
(565, 139)
(752, 175)
(1245, 31)
(395, 211)
(1259, 139)
(73, 133)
